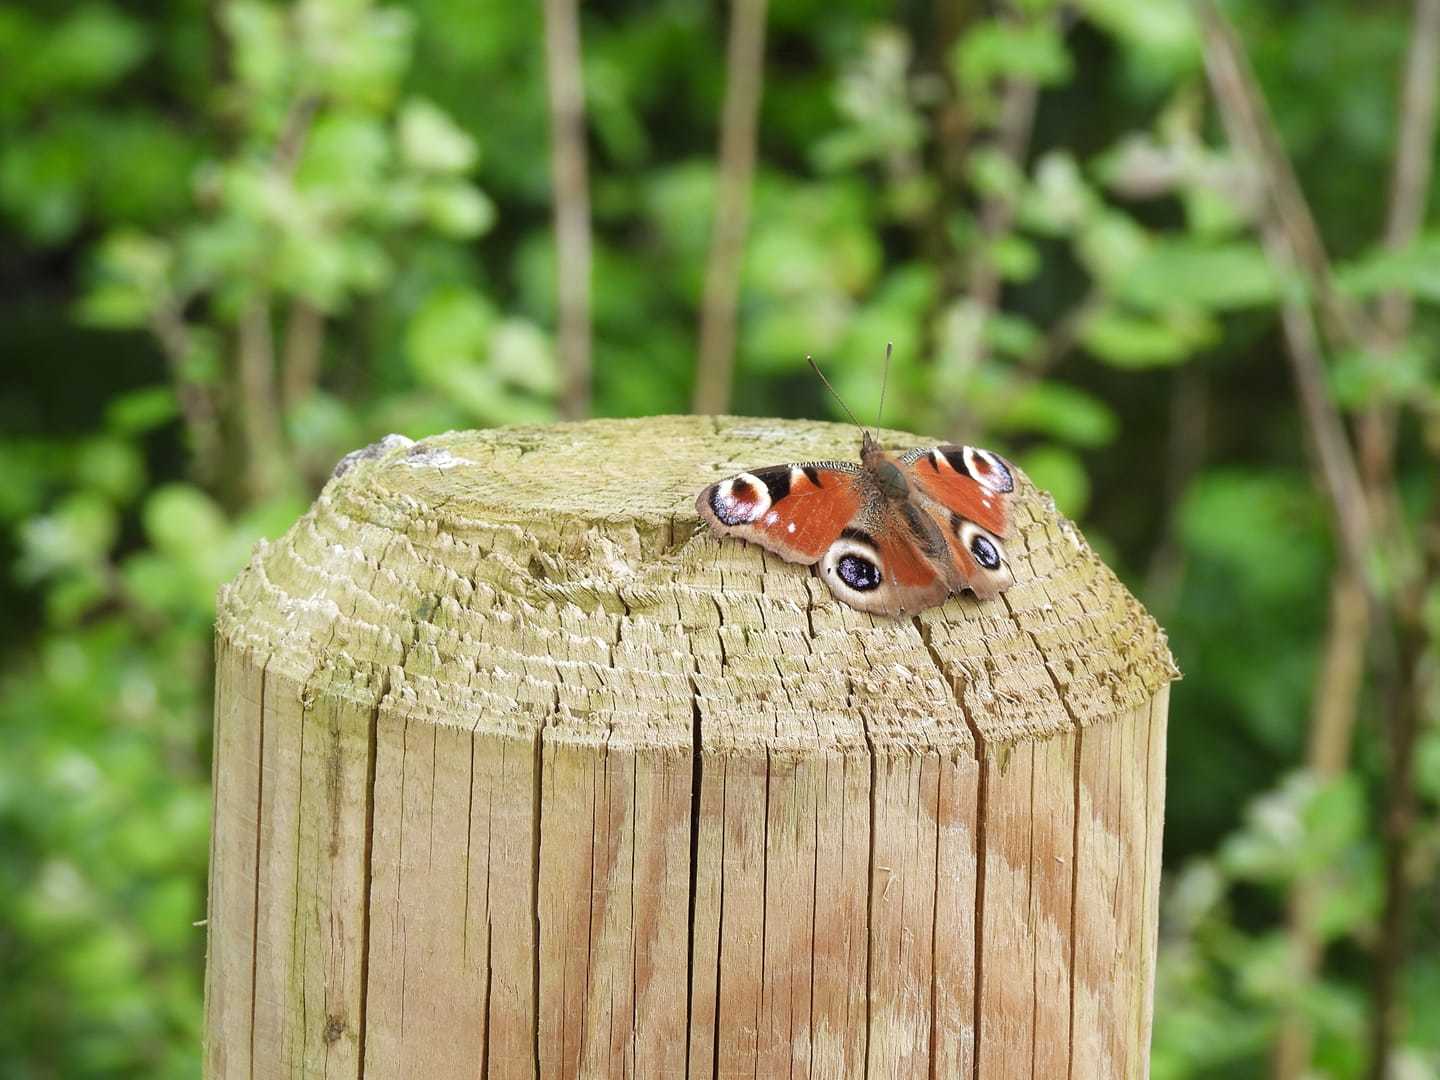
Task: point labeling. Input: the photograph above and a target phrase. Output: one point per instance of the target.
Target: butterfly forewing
(953, 477)
(797, 511)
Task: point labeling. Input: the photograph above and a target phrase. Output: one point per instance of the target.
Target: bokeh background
(1179, 262)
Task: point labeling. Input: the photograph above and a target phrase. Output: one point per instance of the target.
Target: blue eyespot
(986, 554)
(860, 574)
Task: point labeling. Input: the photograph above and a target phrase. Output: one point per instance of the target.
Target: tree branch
(1414, 156)
(300, 363)
(1333, 710)
(197, 406)
(1409, 191)
(259, 415)
(1250, 128)
(1410, 182)
(1290, 241)
(997, 214)
(293, 134)
(745, 71)
(570, 177)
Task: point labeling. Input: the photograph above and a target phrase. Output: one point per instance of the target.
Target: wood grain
(518, 775)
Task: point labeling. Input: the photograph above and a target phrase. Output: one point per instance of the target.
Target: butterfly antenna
(885, 378)
(816, 368)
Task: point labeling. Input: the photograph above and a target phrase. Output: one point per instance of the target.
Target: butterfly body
(894, 534)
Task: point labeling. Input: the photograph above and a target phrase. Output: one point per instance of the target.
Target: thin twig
(1333, 712)
(1414, 156)
(745, 71)
(997, 214)
(259, 416)
(293, 134)
(570, 177)
(1409, 191)
(1410, 182)
(953, 128)
(1246, 112)
(300, 364)
(197, 404)
(1403, 705)
(1284, 231)
(1190, 407)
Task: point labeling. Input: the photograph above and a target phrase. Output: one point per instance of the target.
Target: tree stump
(518, 775)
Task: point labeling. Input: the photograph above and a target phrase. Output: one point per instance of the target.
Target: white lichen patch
(374, 450)
(434, 459)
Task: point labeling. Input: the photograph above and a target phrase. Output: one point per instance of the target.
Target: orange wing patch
(810, 515)
(796, 511)
(938, 478)
(901, 562)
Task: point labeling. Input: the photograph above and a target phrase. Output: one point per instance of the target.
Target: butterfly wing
(967, 492)
(888, 561)
(796, 511)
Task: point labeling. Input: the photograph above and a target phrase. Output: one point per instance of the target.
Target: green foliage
(245, 238)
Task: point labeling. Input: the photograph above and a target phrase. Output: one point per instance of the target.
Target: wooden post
(517, 775)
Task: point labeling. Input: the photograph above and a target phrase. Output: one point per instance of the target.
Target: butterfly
(894, 534)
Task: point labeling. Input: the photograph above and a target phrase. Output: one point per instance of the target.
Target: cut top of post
(556, 577)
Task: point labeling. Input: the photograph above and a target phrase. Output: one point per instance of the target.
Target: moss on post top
(554, 576)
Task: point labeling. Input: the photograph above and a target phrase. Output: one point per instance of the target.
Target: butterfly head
(881, 466)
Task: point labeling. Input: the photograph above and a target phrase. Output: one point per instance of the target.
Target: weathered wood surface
(519, 776)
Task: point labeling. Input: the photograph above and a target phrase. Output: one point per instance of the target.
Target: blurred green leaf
(993, 173)
(1414, 269)
(1014, 258)
(141, 411)
(452, 327)
(76, 535)
(1259, 526)
(1126, 340)
(1213, 277)
(431, 142)
(1012, 335)
(1059, 411)
(992, 49)
(457, 209)
(184, 522)
(1061, 472)
(344, 162)
(111, 467)
(1059, 200)
(1162, 31)
(1360, 378)
(457, 344)
(93, 46)
(131, 283)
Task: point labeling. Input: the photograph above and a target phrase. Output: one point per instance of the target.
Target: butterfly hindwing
(885, 568)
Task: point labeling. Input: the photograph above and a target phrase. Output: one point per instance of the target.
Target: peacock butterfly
(895, 534)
